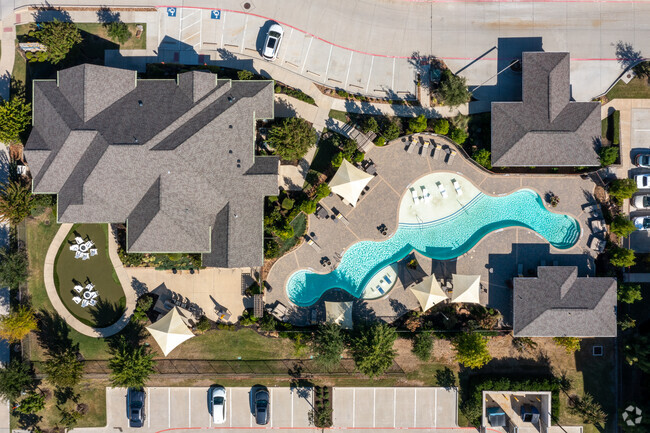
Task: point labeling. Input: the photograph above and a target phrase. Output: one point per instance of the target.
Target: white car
(642, 223)
(272, 43)
(642, 180)
(641, 201)
(218, 404)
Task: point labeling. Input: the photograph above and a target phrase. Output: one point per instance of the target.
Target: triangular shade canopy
(349, 182)
(170, 331)
(339, 313)
(428, 292)
(467, 288)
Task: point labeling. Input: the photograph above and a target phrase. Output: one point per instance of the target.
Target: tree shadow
(133, 334)
(106, 16)
(54, 334)
(63, 395)
(106, 313)
(446, 378)
(226, 55)
(139, 287)
(47, 13)
(626, 55)
(27, 420)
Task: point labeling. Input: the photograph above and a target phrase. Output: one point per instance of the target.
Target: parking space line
(435, 408)
(230, 406)
(304, 62)
(415, 407)
(149, 408)
(169, 407)
(372, 62)
(292, 397)
(192, 35)
(392, 77)
(243, 35)
(271, 404)
(284, 55)
(189, 407)
(394, 406)
(327, 68)
(374, 400)
(223, 27)
(354, 404)
(348, 74)
(201, 29)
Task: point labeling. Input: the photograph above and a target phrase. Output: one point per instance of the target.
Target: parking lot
(639, 240)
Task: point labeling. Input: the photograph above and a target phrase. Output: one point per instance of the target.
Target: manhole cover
(247, 5)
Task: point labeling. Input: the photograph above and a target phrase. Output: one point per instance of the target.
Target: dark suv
(262, 406)
(135, 407)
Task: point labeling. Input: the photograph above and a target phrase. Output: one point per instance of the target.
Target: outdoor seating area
(84, 249)
(461, 289)
(167, 300)
(427, 147)
(597, 240)
(87, 295)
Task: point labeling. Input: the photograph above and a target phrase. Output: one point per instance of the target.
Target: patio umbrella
(428, 292)
(170, 331)
(349, 182)
(467, 288)
(339, 313)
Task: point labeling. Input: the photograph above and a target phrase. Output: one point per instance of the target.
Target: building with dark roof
(174, 159)
(558, 303)
(546, 128)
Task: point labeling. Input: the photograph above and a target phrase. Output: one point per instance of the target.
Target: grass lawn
(323, 159)
(636, 88)
(339, 115)
(299, 225)
(98, 270)
(228, 345)
(99, 36)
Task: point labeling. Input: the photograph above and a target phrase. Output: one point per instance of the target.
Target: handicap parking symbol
(216, 14)
(171, 12)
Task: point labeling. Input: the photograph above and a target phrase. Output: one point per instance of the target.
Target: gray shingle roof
(546, 128)
(174, 159)
(558, 303)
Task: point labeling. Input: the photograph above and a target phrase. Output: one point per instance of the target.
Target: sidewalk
(7, 45)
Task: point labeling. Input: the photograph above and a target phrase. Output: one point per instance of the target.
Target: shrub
(245, 75)
(441, 126)
(390, 128)
(337, 160)
(471, 350)
(358, 156)
(292, 139)
(483, 157)
(616, 121)
(621, 226)
(15, 117)
(629, 293)
(370, 125)
(203, 324)
(380, 141)
(570, 344)
(308, 206)
(322, 191)
(278, 89)
(16, 202)
(621, 189)
(32, 403)
(637, 352)
(271, 249)
(458, 135)
(608, 155)
(586, 407)
(622, 257)
(143, 305)
(417, 124)
(422, 345)
(287, 203)
(119, 31)
(453, 89)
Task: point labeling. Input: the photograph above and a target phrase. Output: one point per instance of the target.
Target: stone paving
(496, 257)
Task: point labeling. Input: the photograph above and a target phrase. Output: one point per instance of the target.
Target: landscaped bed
(98, 270)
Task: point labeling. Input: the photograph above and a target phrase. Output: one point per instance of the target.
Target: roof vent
(140, 103)
(230, 151)
(230, 126)
(238, 165)
(231, 99)
(135, 139)
(238, 161)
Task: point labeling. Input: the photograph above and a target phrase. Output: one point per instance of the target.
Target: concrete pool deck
(496, 257)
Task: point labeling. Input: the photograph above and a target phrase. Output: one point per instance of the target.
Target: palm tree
(16, 201)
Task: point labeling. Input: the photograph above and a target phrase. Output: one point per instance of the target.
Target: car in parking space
(135, 407)
(262, 406)
(642, 160)
(642, 180)
(218, 404)
(272, 42)
(641, 201)
(642, 223)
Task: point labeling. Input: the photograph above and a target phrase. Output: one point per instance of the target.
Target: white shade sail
(170, 331)
(428, 292)
(339, 313)
(349, 182)
(467, 288)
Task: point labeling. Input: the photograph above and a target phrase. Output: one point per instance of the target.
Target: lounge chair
(92, 302)
(411, 147)
(93, 252)
(598, 226)
(78, 288)
(597, 244)
(84, 303)
(90, 286)
(85, 256)
(387, 279)
(314, 245)
(76, 300)
(380, 290)
(459, 190)
(425, 148)
(74, 247)
(425, 194)
(78, 254)
(414, 194)
(343, 219)
(441, 188)
(451, 156)
(437, 152)
(79, 240)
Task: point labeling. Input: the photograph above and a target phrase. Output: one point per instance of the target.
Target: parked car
(135, 407)
(642, 223)
(262, 406)
(642, 160)
(272, 43)
(218, 404)
(642, 180)
(641, 201)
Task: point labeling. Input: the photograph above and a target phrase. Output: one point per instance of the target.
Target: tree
(337, 160)
(16, 325)
(292, 139)
(471, 350)
(637, 352)
(328, 345)
(141, 308)
(441, 126)
(131, 366)
(372, 349)
(453, 89)
(483, 157)
(622, 257)
(622, 226)
(16, 201)
(245, 75)
(570, 344)
(621, 189)
(422, 345)
(629, 293)
(608, 155)
(370, 125)
(13, 267)
(308, 206)
(59, 38)
(69, 418)
(33, 403)
(64, 369)
(417, 124)
(458, 135)
(119, 31)
(390, 128)
(588, 408)
(642, 70)
(322, 191)
(15, 378)
(287, 203)
(15, 117)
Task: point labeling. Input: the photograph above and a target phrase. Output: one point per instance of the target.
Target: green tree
(570, 344)
(637, 352)
(390, 128)
(608, 155)
(13, 266)
(372, 348)
(118, 31)
(15, 378)
(16, 325)
(337, 159)
(642, 70)
(245, 75)
(32, 403)
(370, 125)
(328, 345)
(59, 38)
(131, 366)
(453, 89)
(64, 369)
(483, 157)
(441, 126)
(16, 201)
(203, 324)
(417, 124)
(589, 409)
(292, 139)
(621, 226)
(629, 293)
(322, 191)
(271, 249)
(471, 350)
(69, 418)
(422, 346)
(308, 206)
(621, 189)
(15, 117)
(287, 203)
(458, 135)
(143, 305)
(622, 257)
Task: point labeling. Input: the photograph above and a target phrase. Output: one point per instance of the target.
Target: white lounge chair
(78, 288)
(93, 296)
(78, 254)
(92, 302)
(89, 244)
(425, 194)
(93, 252)
(414, 194)
(84, 303)
(441, 188)
(79, 240)
(425, 148)
(90, 286)
(459, 190)
(76, 299)
(85, 256)
(74, 247)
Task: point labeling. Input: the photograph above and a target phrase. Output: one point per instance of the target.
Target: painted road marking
(354, 403)
(304, 62)
(374, 400)
(148, 415)
(435, 409)
(327, 68)
(169, 407)
(230, 406)
(189, 407)
(394, 405)
(243, 35)
(349, 66)
(223, 29)
(372, 62)
(415, 406)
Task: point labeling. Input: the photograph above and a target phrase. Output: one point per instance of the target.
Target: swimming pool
(442, 239)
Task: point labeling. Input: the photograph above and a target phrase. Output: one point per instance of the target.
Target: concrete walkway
(8, 54)
(636, 278)
(4, 359)
(76, 324)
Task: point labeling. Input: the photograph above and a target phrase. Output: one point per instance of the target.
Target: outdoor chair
(79, 240)
(90, 286)
(425, 148)
(437, 151)
(84, 303)
(459, 190)
(441, 188)
(78, 254)
(451, 156)
(597, 244)
(92, 302)
(314, 245)
(93, 252)
(598, 226)
(425, 194)
(78, 288)
(85, 256)
(74, 247)
(76, 299)
(414, 195)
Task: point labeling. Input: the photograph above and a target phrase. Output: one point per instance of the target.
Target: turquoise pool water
(443, 239)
